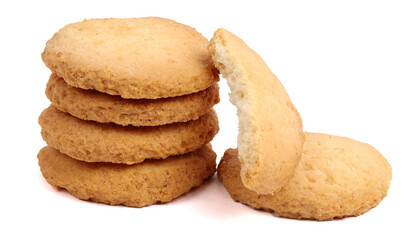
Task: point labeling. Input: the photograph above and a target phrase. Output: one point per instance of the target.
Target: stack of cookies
(131, 115)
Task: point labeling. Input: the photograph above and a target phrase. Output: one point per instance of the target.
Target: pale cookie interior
(240, 98)
(270, 138)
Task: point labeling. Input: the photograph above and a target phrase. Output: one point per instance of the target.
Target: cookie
(337, 177)
(105, 142)
(104, 108)
(137, 185)
(134, 57)
(270, 138)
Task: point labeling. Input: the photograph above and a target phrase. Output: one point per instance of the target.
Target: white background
(352, 68)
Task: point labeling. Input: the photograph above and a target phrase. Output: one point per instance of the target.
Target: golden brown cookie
(270, 136)
(101, 107)
(137, 185)
(336, 177)
(134, 57)
(106, 142)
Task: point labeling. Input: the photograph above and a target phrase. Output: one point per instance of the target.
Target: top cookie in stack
(125, 91)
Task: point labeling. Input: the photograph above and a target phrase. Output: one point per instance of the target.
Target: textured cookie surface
(336, 177)
(270, 136)
(134, 58)
(101, 107)
(135, 185)
(106, 142)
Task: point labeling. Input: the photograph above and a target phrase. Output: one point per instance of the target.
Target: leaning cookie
(270, 137)
(133, 57)
(337, 177)
(138, 185)
(104, 108)
(106, 142)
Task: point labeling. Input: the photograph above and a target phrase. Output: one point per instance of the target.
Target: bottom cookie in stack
(336, 177)
(137, 185)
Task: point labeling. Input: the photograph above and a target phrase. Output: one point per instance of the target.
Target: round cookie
(106, 142)
(137, 185)
(104, 108)
(270, 138)
(336, 177)
(133, 57)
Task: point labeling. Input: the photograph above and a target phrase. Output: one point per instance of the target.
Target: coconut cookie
(336, 177)
(137, 185)
(104, 108)
(99, 142)
(270, 136)
(134, 57)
